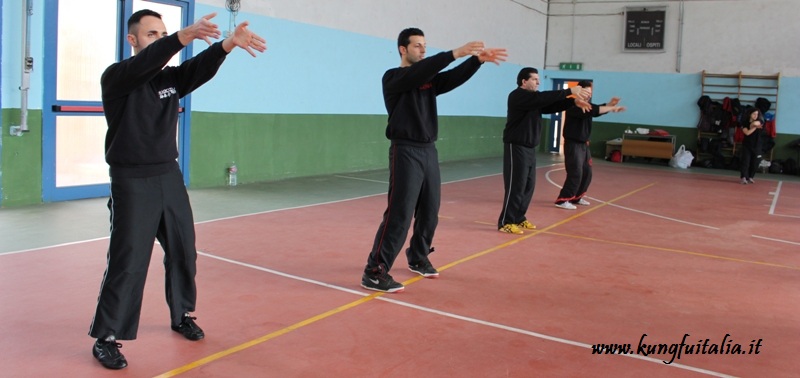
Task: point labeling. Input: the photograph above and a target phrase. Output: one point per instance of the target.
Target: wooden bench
(652, 146)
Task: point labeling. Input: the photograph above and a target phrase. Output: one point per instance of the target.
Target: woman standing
(752, 126)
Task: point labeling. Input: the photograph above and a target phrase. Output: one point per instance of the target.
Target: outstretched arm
(477, 48)
(471, 48)
(448, 80)
(611, 109)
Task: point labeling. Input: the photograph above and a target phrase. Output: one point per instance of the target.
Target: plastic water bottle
(232, 171)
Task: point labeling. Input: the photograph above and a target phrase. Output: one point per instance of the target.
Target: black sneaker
(189, 329)
(424, 269)
(381, 282)
(107, 352)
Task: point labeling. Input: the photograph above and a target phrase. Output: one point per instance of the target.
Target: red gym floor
(659, 257)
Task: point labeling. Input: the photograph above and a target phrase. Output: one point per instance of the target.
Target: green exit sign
(570, 66)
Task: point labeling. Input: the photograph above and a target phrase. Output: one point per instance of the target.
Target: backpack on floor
(776, 166)
(790, 166)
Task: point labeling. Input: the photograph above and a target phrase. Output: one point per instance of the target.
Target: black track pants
(578, 163)
(750, 162)
(144, 209)
(414, 191)
(519, 181)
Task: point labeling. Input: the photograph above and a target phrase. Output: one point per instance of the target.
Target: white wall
(518, 25)
(351, 42)
(720, 36)
(724, 36)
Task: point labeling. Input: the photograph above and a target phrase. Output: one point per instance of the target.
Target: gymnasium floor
(662, 256)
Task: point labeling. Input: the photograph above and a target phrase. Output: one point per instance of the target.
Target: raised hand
(581, 92)
(614, 101)
(245, 39)
(471, 48)
(583, 104)
(493, 55)
(203, 29)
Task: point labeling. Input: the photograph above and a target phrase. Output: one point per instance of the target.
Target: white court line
(460, 317)
(361, 179)
(786, 216)
(289, 208)
(547, 176)
(338, 201)
(258, 213)
(52, 246)
(330, 202)
(777, 240)
(449, 182)
(775, 195)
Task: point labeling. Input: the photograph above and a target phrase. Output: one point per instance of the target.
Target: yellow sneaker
(527, 225)
(510, 228)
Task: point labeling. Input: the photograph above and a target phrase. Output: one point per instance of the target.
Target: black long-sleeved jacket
(141, 100)
(525, 109)
(410, 95)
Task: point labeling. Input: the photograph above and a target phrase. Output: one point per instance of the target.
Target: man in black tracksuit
(520, 137)
(148, 198)
(577, 156)
(409, 93)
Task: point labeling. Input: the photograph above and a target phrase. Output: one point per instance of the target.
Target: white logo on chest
(164, 93)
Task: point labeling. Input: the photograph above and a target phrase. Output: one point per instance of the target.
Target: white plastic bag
(682, 159)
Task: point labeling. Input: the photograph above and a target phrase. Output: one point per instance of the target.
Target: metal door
(82, 39)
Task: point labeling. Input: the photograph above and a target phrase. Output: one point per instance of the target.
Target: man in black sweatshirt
(409, 92)
(577, 156)
(521, 136)
(148, 198)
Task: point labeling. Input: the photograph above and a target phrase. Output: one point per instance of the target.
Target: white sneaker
(744, 181)
(566, 206)
(582, 202)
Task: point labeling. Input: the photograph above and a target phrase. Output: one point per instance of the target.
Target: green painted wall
(270, 147)
(277, 146)
(21, 160)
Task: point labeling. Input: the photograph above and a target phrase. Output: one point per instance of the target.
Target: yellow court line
(265, 338)
(537, 232)
(699, 254)
(280, 332)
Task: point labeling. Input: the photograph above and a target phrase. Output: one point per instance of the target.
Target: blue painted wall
(309, 69)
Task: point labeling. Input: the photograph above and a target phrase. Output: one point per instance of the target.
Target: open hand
(581, 92)
(203, 29)
(471, 48)
(583, 104)
(245, 39)
(493, 55)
